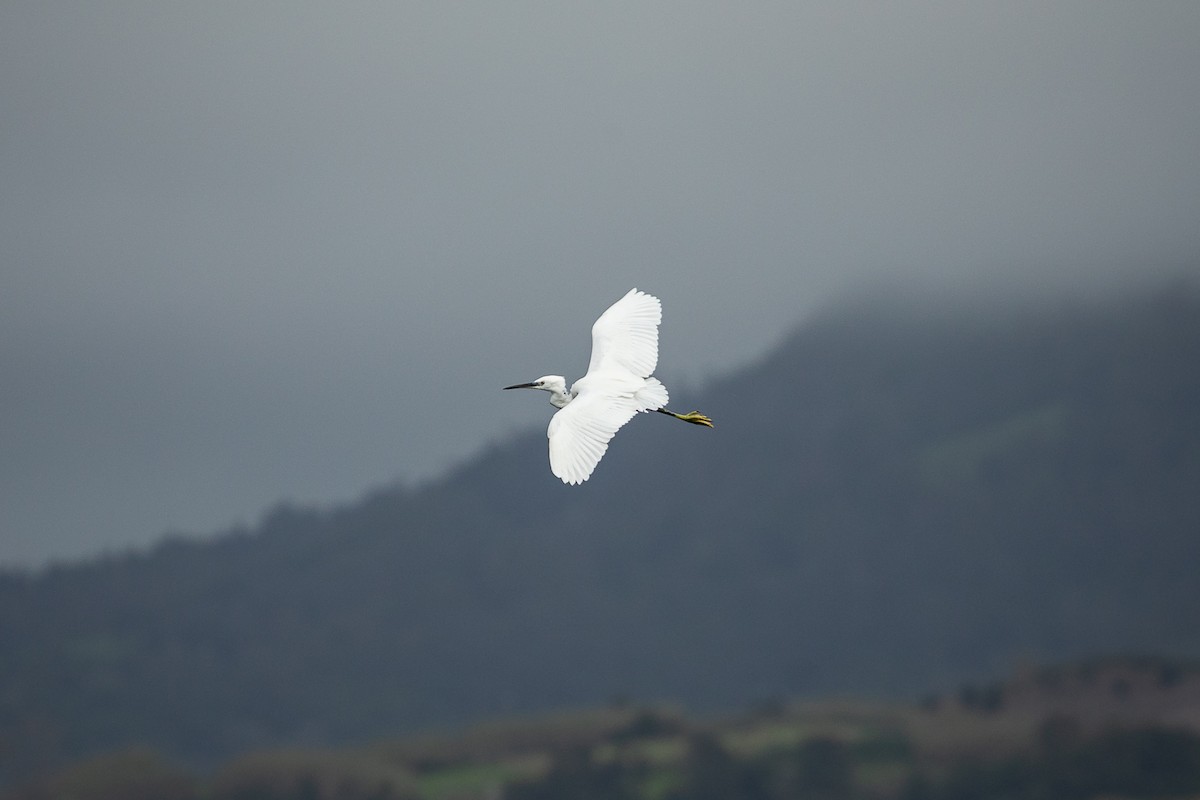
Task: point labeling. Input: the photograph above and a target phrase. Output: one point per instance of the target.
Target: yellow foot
(694, 417)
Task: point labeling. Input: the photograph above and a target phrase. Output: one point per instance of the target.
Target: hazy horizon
(267, 253)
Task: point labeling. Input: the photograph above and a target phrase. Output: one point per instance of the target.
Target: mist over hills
(894, 500)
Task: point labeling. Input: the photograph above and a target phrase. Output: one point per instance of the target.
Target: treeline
(947, 749)
(1145, 763)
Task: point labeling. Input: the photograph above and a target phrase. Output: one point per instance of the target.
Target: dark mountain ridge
(893, 500)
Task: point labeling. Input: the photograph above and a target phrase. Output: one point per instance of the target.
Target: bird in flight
(618, 384)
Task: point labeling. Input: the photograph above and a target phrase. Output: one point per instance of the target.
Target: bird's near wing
(579, 432)
(626, 335)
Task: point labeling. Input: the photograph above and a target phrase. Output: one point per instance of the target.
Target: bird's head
(547, 383)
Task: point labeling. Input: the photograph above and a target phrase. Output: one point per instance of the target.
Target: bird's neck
(560, 397)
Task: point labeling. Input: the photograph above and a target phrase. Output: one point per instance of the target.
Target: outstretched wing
(626, 335)
(580, 431)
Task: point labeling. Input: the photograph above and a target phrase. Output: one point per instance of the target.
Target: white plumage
(618, 384)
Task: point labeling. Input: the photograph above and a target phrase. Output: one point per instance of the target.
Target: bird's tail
(652, 396)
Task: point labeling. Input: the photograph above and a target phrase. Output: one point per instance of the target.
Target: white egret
(618, 384)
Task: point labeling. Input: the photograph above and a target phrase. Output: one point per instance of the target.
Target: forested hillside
(895, 499)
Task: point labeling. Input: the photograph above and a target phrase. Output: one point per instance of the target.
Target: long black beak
(520, 386)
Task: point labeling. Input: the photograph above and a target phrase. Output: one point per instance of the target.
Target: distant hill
(897, 498)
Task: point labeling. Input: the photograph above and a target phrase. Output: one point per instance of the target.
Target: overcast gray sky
(262, 251)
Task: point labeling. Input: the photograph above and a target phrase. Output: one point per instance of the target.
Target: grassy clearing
(479, 780)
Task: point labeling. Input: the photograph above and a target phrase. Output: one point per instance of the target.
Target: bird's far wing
(627, 334)
(580, 431)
